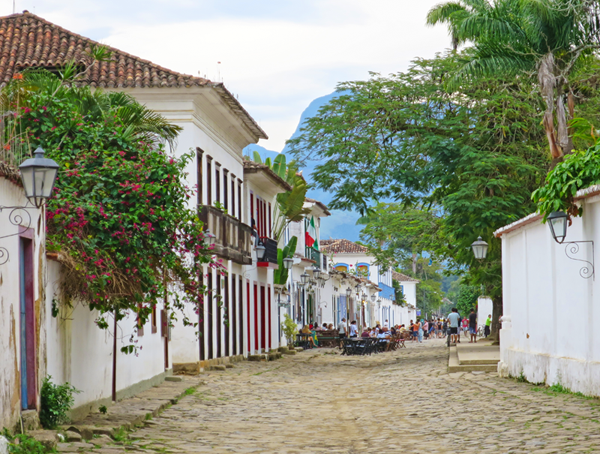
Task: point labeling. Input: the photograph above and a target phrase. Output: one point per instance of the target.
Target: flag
(310, 237)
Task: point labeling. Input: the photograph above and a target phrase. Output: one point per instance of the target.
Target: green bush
(57, 400)
(24, 444)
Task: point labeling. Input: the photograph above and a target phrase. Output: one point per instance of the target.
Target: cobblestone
(404, 401)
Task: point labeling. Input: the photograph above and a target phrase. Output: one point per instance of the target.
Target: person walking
(473, 326)
(342, 331)
(488, 325)
(453, 320)
(420, 331)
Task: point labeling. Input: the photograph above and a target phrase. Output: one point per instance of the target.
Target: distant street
(405, 401)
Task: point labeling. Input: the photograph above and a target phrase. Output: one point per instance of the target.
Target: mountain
(341, 224)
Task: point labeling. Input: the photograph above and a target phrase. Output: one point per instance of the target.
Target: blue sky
(276, 55)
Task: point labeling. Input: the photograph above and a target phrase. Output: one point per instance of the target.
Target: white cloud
(276, 56)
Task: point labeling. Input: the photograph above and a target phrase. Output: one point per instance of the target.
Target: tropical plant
(548, 38)
(578, 170)
(290, 204)
(119, 217)
(280, 275)
(289, 328)
(56, 402)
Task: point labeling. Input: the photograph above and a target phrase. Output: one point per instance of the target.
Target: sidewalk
(481, 356)
(97, 429)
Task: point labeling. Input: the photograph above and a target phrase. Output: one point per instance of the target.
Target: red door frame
(256, 344)
(269, 339)
(263, 317)
(249, 319)
(26, 268)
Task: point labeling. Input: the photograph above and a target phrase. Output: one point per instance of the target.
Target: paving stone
(403, 401)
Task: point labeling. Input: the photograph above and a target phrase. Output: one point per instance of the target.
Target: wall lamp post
(260, 251)
(558, 223)
(304, 277)
(38, 175)
(209, 238)
(373, 297)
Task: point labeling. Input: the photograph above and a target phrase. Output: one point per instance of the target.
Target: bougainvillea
(121, 217)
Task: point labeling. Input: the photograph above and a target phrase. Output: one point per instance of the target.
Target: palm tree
(548, 38)
(95, 104)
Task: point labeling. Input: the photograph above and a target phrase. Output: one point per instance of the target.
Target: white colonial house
(354, 259)
(549, 333)
(22, 309)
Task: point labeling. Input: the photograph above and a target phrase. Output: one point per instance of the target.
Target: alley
(405, 401)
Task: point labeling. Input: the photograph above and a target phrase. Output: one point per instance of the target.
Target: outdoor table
(302, 340)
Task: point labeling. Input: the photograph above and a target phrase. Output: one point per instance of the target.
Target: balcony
(270, 258)
(233, 238)
(312, 254)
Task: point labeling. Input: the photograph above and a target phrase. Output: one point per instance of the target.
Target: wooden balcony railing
(233, 238)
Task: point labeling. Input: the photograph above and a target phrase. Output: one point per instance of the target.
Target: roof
(582, 194)
(254, 167)
(319, 204)
(403, 277)
(342, 246)
(29, 41)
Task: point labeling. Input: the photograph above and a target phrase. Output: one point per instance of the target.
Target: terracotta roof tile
(403, 277)
(29, 41)
(342, 246)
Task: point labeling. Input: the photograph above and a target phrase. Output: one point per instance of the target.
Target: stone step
(455, 366)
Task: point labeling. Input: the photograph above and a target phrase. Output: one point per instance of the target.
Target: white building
(348, 257)
(22, 313)
(549, 331)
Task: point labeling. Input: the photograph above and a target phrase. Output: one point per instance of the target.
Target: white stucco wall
(82, 354)
(550, 311)
(484, 308)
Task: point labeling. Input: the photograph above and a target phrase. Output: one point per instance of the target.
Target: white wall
(550, 311)
(484, 308)
(82, 354)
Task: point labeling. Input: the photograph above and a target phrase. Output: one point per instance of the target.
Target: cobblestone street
(405, 401)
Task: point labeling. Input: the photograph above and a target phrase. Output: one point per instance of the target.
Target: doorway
(27, 324)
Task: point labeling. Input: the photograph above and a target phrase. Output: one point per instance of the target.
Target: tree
(394, 233)
(473, 151)
(547, 38)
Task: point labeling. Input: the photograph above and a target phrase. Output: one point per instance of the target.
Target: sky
(275, 55)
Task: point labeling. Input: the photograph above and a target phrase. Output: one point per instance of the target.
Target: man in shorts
(454, 320)
(473, 326)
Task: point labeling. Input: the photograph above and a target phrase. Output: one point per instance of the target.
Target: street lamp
(348, 292)
(304, 278)
(260, 251)
(38, 175)
(373, 297)
(364, 296)
(209, 238)
(480, 248)
(558, 225)
(316, 272)
(287, 263)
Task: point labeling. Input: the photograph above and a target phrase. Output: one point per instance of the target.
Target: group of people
(418, 330)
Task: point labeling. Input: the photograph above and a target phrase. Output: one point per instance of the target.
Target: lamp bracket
(15, 217)
(571, 249)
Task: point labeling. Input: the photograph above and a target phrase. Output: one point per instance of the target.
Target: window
(208, 180)
(233, 195)
(154, 326)
(199, 178)
(218, 182)
(225, 189)
(239, 199)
